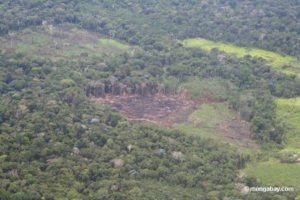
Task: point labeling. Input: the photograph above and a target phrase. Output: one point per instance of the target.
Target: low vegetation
(215, 89)
(289, 111)
(217, 121)
(283, 63)
(274, 173)
(57, 42)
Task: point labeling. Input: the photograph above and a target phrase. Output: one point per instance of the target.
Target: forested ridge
(56, 144)
(263, 24)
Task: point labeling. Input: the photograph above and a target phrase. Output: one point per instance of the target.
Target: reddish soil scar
(169, 110)
(165, 110)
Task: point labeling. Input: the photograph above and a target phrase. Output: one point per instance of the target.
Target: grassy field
(210, 115)
(288, 110)
(207, 122)
(286, 64)
(273, 172)
(213, 88)
(113, 43)
(66, 42)
(205, 119)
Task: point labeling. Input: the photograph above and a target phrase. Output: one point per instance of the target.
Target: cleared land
(274, 173)
(165, 110)
(285, 64)
(56, 42)
(288, 110)
(200, 116)
(198, 108)
(213, 88)
(217, 121)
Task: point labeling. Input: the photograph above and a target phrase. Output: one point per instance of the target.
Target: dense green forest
(56, 144)
(264, 24)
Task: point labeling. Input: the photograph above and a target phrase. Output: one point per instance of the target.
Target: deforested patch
(160, 109)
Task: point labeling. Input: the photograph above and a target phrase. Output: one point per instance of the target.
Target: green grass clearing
(288, 110)
(203, 122)
(215, 121)
(67, 42)
(286, 64)
(274, 173)
(210, 115)
(212, 88)
(113, 43)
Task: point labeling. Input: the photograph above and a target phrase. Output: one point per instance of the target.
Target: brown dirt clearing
(169, 110)
(165, 110)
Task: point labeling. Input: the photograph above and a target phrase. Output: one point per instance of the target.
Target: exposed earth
(170, 110)
(165, 110)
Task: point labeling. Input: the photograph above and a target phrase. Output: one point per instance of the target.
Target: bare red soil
(169, 110)
(160, 109)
